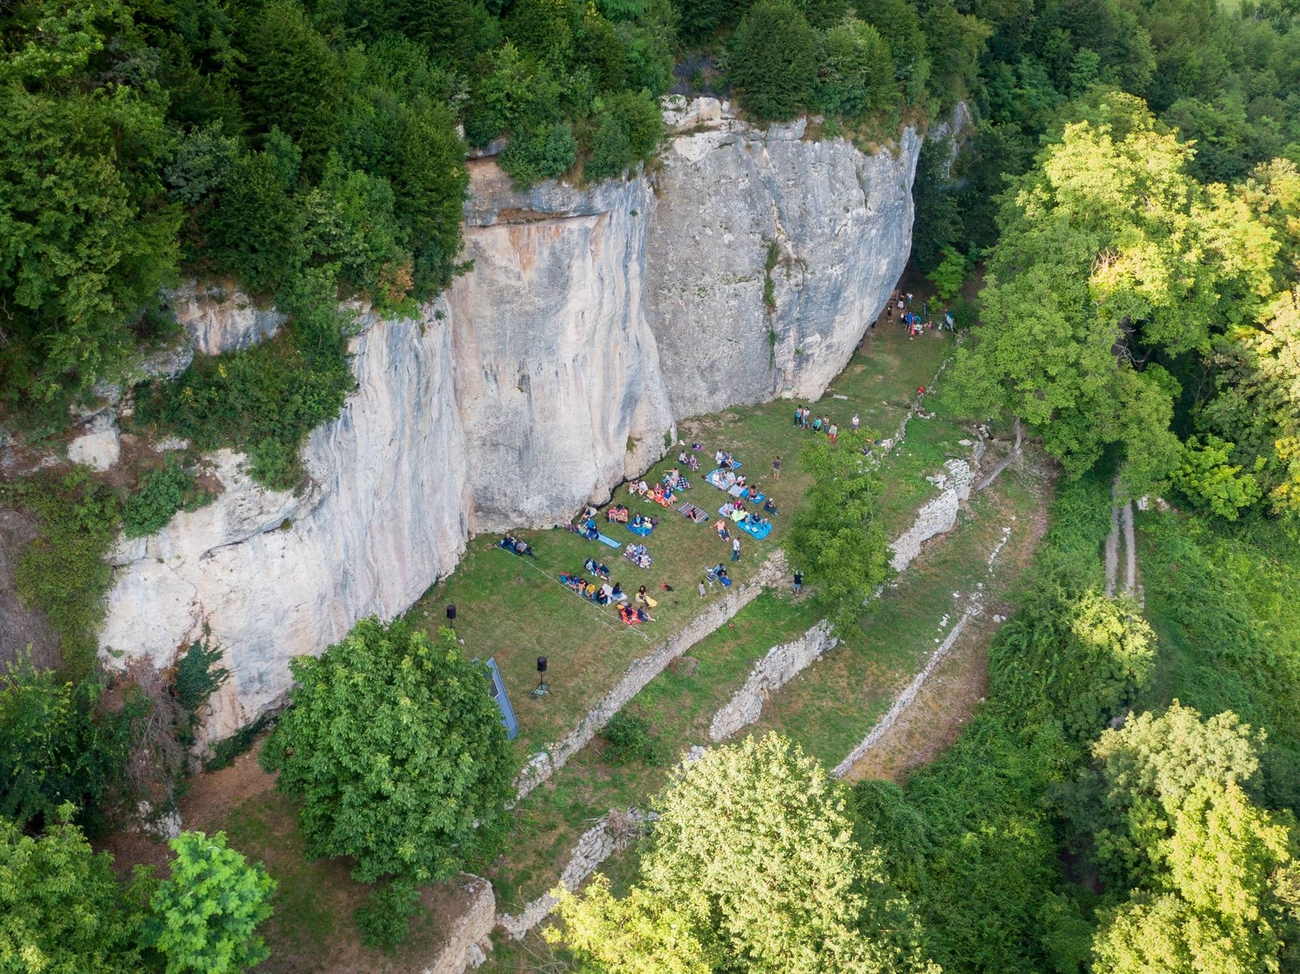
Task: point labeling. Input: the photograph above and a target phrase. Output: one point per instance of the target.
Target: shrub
(57, 746)
(63, 572)
(63, 910)
(629, 739)
(386, 916)
(162, 493)
(204, 915)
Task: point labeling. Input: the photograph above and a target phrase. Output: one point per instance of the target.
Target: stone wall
(470, 939)
(781, 665)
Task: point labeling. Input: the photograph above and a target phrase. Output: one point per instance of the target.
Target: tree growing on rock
(752, 866)
(395, 752)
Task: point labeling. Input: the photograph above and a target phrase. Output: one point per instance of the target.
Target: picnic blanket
(608, 542)
(641, 530)
(693, 512)
(666, 501)
(714, 477)
(744, 492)
(758, 531)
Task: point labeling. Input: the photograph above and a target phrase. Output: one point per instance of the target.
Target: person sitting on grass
(508, 543)
(617, 593)
(770, 506)
(643, 616)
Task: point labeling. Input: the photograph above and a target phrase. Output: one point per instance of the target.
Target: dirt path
(1121, 529)
(931, 712)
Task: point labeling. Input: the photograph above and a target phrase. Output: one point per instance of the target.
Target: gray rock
(98, 449)
(217, 321)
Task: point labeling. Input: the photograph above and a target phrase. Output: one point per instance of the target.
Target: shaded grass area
(679, 705)
(833, 705)
(516, 610)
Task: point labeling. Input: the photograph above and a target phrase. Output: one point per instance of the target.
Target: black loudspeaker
(541, 664)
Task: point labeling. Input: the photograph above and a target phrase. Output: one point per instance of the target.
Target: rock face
(557, 372)
(590, 322)
(829, 227)
(276, 575)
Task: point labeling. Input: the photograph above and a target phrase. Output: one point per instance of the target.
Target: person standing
(855, 422)
(701, 587)
(776, 468)
(798, 581)
(798, 415)
(735, 549)
(834, 432)
(806, 413)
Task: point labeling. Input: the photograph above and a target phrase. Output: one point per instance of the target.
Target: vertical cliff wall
(547, 374)
(829, 226)
(557, 372)
(277, 575)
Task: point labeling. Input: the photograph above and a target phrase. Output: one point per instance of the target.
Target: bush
(773, 61)
(162, 493)
(205, 914)
(269, 396)
(63, 572)
(63, 911)
(629, 739)
(57, 746)
(629, 130)
(386, 916)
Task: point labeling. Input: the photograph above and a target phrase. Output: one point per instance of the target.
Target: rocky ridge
(591, 321)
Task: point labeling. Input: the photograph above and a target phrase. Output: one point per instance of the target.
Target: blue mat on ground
(759, 532)
(608, 542)
(714, 478)
(641, 530)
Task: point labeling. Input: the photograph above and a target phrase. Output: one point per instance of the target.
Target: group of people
(602, 594)
(634, 616)
(674, 480)
(659, 493)
(513, 544)
(642, 525)
(689, 459)
(724, 478)
(724, 460)
(804, 419)
(637, 555)
(597, 568)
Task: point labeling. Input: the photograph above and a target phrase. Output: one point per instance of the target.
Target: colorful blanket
(640, 530)
(693, 512)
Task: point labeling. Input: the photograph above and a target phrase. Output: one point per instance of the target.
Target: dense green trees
(836, 539)
(62, 910)
(1110, 252)
(395, 750)
(752, 864)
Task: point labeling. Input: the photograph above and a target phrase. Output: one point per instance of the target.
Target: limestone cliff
(591, 320)
(277, 575)
(557, 372)
(830, 226)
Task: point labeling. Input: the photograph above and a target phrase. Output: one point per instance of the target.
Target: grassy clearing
(515, 609)
(679, 704)
(832, 705)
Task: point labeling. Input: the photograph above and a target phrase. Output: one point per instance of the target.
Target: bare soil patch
(21, 627)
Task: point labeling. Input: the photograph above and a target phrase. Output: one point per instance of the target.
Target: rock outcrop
(276, 574)
(557, 373)
(770, 253)
(590, 322)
